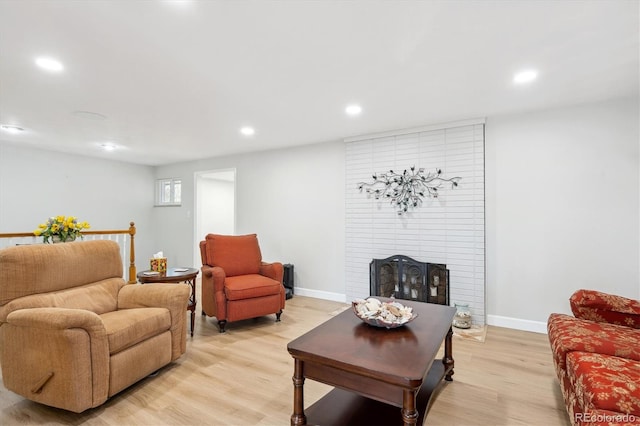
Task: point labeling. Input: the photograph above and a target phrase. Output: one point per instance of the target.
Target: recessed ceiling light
(179, 3)
(49, 64)
(108, 146)
(353, 110)
(525, 76)
(11, 129)
(248, 131)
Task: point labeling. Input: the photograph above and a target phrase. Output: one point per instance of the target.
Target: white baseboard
(497, 320)
(319, 294)
(517, 324)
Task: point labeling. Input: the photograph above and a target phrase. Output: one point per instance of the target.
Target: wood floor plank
(243, 377)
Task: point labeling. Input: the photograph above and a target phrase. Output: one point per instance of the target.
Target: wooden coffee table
(373, 369)
(175, 275)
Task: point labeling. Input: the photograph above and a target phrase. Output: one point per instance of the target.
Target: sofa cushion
(127, 327)
(605, 382)
(44, 268)
(602, 307)
(568, 334)
(236, 254)
(99, 297)
(250, 286)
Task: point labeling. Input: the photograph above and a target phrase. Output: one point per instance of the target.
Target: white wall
(562, 209)
(37, 184)
(292, 198)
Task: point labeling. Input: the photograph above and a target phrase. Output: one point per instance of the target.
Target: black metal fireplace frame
(431, 276)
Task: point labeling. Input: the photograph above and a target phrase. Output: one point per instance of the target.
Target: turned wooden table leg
(409, 412)
(298, 418)
(192, 303)
(447, 360)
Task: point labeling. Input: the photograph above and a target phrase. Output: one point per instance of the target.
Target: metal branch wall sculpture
(407, 189)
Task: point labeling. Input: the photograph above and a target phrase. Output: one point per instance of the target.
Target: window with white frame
(169, 192)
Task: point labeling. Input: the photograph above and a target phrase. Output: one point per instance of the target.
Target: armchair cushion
(237, 255)
(568, 334)
(250, 286)
(602, 307)
(172, 297)
(127, 327)
(97, 297)
(605, 382)
(39, 270)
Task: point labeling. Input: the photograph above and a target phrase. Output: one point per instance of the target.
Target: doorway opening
(215, 209)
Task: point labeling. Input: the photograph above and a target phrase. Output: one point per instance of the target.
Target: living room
(562, 181)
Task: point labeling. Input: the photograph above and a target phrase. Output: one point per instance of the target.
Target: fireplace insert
(405, 278)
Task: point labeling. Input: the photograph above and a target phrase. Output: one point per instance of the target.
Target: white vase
(55, 239)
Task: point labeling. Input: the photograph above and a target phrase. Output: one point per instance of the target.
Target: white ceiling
(175, 81)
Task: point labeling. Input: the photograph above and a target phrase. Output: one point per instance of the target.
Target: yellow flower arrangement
(64, 228)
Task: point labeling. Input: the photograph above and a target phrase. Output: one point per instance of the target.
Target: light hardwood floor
(243, 377)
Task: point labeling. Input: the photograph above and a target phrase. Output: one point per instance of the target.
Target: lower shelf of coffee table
(341, 408)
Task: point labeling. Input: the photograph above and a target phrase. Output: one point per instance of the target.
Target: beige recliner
(72, 333)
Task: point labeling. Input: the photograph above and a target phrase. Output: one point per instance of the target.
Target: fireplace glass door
(405, 278)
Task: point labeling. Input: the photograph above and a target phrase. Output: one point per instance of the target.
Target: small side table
(175, 275)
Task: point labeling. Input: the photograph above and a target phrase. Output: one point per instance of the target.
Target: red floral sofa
(597, 358)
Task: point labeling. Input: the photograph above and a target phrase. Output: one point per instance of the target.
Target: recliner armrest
(214, 274)
(603, 307)
(274, 270)
(170, 296)
(174, 297)
(49, 352)
(214, 302)
(57, 319)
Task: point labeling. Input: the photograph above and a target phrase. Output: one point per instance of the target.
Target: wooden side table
(174, 275)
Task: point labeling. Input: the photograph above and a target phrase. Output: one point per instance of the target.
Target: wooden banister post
(132, 254)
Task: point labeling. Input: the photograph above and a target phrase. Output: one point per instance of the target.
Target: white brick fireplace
(449, 229)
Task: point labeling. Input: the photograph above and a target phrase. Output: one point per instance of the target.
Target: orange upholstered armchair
(236, 283)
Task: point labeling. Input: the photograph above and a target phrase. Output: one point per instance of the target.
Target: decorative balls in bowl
(383, 314)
